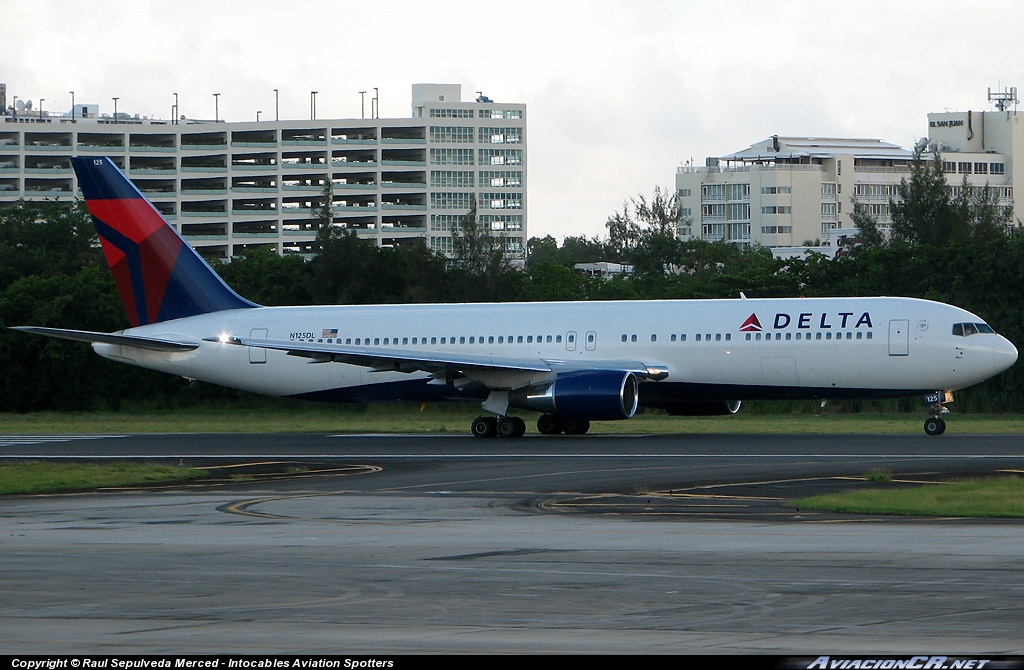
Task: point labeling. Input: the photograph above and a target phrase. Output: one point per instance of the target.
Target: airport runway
(408, 544)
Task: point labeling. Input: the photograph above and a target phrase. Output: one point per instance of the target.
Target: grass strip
(55, 476)
(993, 497)
(455, 419)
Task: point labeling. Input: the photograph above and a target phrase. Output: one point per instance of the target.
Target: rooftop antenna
(1002, 99)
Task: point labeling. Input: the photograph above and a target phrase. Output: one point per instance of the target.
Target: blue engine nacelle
(599, 395)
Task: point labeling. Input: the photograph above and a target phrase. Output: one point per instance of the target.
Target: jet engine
(598, 395)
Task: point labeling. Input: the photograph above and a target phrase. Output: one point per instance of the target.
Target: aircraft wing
(394, 359)
(152, 343)
(391, 359)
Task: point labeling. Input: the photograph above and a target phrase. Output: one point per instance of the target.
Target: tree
(645, 233)
(323, 215)
(480, 268)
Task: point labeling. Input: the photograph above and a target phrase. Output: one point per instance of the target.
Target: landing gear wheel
(484, 426)
(511, 426)
(575, 426)
(549, 424)
(933, 425)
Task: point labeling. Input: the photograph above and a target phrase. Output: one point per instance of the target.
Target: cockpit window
(966, 329)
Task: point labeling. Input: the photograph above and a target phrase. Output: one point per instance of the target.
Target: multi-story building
(787, 192)
(984, 149)
(229, 187)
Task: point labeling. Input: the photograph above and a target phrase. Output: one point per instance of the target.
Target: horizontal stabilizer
(151, 343)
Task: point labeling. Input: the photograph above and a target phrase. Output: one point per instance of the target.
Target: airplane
(573, 362)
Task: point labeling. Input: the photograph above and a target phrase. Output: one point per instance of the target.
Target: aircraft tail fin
(159, 276)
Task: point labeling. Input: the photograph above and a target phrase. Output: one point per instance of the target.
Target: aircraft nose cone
(1004, 354)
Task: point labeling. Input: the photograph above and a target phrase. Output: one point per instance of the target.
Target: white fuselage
(711, 349)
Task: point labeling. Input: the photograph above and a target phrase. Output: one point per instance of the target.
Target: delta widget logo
(751, 325)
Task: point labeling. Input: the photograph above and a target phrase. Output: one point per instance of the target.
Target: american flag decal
(329, 333)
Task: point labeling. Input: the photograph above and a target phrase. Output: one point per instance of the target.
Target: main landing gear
(498, 426)
(514, 426)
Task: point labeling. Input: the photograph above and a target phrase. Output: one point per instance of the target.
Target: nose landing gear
(934, 425)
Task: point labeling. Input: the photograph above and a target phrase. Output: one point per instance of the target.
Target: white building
(789, 193)
(229, 187)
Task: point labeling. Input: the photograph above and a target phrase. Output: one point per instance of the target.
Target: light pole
(362, 104)
(41, 101)
(115, 110)
(72, 106)
(375, 104)
(174, 116)
(14, 105)
(216, 107)
(312, 105)
(277, 98)
(258, 112)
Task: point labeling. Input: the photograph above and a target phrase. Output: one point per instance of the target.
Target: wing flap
(151, 343)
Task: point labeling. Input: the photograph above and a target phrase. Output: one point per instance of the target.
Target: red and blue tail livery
(570, 362)
(159, 276)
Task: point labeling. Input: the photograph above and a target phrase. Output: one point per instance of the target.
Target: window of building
(738, 211)
(738, 191)
(451, 178)
(501, 136)
(441, 113)
(712, 192)
(739, 231)
(501, 200)
(445, 200)
(452, 134)
(501, 156)
(501, 179)
(451, 157)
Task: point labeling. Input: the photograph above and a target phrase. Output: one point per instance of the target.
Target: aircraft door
(899, 337)
(256, 354)
(591, 342)
(570, 340)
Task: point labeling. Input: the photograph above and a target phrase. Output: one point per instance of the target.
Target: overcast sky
(618, 93)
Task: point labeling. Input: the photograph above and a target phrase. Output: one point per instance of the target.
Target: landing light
(223, 338)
